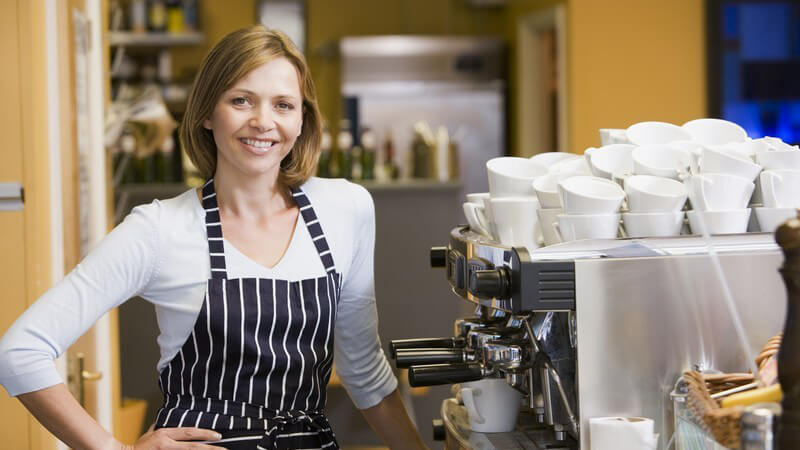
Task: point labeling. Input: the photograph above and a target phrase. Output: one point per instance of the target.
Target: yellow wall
(638, 60)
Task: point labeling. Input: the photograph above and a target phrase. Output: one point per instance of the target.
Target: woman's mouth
(258, 146)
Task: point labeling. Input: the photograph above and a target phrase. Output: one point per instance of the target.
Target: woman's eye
(239, 101)
(285, 106)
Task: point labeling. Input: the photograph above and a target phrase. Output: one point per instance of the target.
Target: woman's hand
(174, 438)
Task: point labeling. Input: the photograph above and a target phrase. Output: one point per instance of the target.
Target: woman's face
(257, 121)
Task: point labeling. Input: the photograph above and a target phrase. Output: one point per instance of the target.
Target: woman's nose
(262, 120)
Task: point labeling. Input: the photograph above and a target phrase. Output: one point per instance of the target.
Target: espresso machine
(594, 328)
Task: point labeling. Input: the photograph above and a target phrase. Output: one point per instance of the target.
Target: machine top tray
(634, 247)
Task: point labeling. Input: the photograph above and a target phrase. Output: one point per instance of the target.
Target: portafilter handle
(436, 374)
(403, 344)
(416, 357)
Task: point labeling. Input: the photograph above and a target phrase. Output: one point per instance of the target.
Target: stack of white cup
(655, 206)
(591, 208)
(780, 193)
(507, 213)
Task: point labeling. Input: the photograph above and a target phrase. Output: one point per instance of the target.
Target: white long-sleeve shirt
(160, 253)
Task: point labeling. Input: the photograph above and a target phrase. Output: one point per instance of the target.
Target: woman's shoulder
(337, 191)
(184, 207)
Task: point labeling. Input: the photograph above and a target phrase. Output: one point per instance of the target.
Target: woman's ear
(207, 124)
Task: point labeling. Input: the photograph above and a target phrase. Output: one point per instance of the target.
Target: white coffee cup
(718, 191)
(645, 133)
(647, 193)
(610, 136)
(548, 217)
(578, 166)
(548, 159)
(721, 159)
(653, 224)
(492, 405)
(750, 147)
(572, 227)
(511, 176)
(515, 220)
(612, 161)
(590, 195)
(769, 219)
(719, 222)
(546, 189)
(778, 144)
(779, 159)
(714, 131)
(780, 188)
(476, 218)
(661, 160)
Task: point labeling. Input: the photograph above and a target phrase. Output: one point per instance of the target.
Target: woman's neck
(250, 197)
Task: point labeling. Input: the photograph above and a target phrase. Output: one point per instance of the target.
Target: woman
(250, 276)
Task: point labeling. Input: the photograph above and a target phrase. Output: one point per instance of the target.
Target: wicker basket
(722, 423)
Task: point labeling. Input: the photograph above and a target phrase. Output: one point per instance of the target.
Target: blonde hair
(235, 56)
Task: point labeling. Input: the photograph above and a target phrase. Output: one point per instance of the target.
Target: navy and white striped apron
(257, 362)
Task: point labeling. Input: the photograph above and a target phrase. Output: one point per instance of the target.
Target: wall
(640, 60)
(330, 20)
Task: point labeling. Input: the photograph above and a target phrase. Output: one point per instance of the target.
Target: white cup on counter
(547, 218)
(661, 161)
(572, 227)
(653, 224)
(515, 220)
(779, 159)
(648, 194)
(780, 188)
(720, 159)
(492, 405)
(610, 136)
(546, 189)
(646, 133)
(719, 222)
(718, 191)
(769, 219)
(714, 131)
(548, 159)
(590, 195)
(510, 176)
(612, 161)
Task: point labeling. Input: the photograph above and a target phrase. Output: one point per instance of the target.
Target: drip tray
(525, 437)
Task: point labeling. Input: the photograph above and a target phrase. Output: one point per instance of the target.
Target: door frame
(532, 108)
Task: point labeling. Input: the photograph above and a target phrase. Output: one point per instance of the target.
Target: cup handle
(621, 230)
(557, 229)
(479, 218)
(469, 403)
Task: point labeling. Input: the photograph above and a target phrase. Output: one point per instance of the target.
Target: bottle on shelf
(189, 15)
(164, 161)
(344, 142)
(175, 20)
(324, 163)
(138, 16)
(157, 16)
(367, 154)
(390, 169)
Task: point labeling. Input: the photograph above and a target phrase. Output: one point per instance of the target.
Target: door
(39, 242)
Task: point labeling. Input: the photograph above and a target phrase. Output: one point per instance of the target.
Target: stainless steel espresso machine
(595, 328)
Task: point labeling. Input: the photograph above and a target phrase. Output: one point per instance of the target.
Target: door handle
(77, 376)
(12, 196)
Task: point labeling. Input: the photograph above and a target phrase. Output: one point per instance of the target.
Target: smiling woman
(260, 279)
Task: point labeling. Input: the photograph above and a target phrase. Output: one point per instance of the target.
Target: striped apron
(259, 357)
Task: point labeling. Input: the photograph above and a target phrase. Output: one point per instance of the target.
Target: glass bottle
(390, 168)
(367, 154)
(344, 141)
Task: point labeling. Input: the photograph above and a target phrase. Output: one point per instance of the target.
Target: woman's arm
(60, 413)
(390, 420)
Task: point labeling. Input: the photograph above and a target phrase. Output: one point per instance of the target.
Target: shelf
(131, 39)
(409, 184)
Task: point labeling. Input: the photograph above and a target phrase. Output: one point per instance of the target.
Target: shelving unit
(131, 39)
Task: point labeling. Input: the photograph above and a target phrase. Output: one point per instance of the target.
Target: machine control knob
(438, 256)
(494, 283)
(439, 433)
